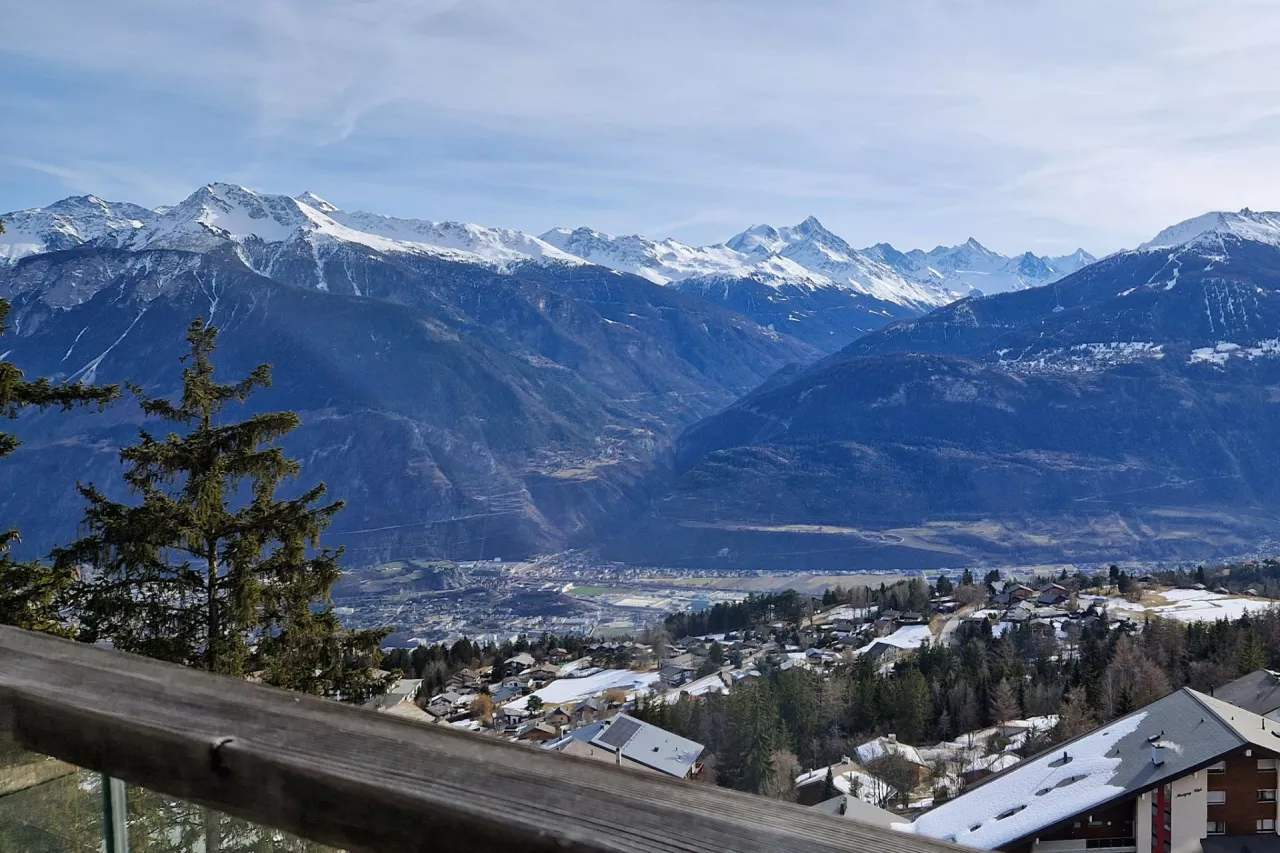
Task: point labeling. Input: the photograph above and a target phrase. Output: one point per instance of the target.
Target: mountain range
(779, 400)
(1129, 410)
(463, 397)
(803, 281)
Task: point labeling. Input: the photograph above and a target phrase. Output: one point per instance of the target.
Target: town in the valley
(1147, 765)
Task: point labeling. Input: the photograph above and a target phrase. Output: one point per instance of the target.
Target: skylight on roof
(1010, 812)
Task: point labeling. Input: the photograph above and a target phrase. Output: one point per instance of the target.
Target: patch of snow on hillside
(1221, 352)
(1196, 605)
(1082, 358)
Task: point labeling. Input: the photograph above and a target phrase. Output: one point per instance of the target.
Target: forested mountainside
(1128, 410)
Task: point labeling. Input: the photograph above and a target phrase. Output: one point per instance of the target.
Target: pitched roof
(638, 741)
(880, 747)
(1259, 692)
(852, 808)
(1188, 729)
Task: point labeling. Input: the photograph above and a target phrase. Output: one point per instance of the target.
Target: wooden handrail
(363, 781)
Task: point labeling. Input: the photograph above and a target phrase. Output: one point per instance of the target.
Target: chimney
(892, 737)
(1157, 753)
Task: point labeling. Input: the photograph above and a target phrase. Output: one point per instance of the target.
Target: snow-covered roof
(572, 689)
(713, 683)
(1112, 761)
(877, 748)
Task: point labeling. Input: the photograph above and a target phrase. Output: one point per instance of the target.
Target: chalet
(886, 623)
(674, 676)
(912, 619)
(538, 732)
(809, 785)
(1188, 773)
(557, 717)
(588, 711)
(500, 695)
(544, 674)
(881, 653)
(1053, 595)
(510, 718)
(881, 747)
(849, 778)
(524, 660)
(628, 742)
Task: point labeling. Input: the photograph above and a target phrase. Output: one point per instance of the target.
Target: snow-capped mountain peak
(261, 226)
(217, 213)
(757, 240)
(314, 201)
(1255, 226)
(498, 245)
(660, 261)
(971, 266)
(68, 223)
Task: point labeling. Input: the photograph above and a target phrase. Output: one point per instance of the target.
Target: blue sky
(1042, 126)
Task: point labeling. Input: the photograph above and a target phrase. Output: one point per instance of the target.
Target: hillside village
(606, 699)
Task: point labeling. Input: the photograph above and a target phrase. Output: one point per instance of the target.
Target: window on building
(1220, 767)
(1266, 764)
(1217, 798)
(1267, 795)
(1217, 827)
(1266, 824)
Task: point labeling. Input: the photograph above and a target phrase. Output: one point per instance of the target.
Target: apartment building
(1188, 773)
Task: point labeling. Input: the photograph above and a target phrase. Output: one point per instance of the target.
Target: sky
(1036, 126)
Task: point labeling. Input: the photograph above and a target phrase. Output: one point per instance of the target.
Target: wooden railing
(358, 780)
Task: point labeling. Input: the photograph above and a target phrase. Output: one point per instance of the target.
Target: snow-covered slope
(660, 261)
(69, 223)
(1210, 228)
(496, 244)
(972, 266)
(819, 251)
(805, 255)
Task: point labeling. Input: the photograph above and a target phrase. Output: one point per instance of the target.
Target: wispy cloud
(1027, 125)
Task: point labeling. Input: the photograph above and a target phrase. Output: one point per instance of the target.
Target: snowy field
(1196, 605)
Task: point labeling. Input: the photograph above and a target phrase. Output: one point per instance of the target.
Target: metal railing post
(115, 811)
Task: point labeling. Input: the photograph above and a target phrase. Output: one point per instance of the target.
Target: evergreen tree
(1004, 704)
(943, 586)
(753, 734)
(211, 569)
(29, 591)
(966, 579)
(829, 789)
(1253, 655)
